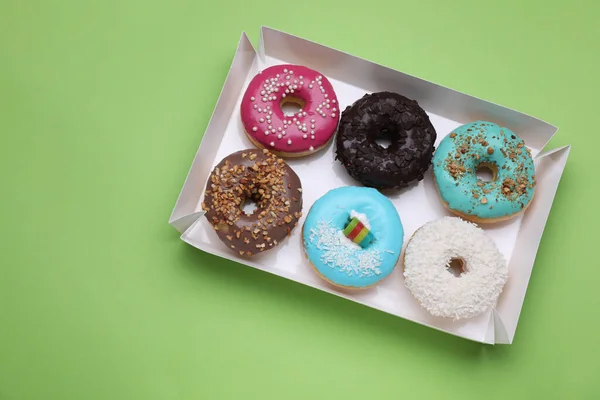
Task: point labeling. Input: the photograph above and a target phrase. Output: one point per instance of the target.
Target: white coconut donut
(427, 260)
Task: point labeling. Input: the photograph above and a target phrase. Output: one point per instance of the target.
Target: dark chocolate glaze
(270, 183)
(394, 117)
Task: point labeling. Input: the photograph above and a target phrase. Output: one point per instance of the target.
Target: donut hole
(291, 105)
(249, 206)
(456, 267)
(486, 172)
(383, 139)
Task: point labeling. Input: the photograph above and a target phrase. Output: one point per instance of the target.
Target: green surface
(102, 106)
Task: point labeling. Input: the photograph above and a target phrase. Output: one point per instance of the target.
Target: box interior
(352, 77)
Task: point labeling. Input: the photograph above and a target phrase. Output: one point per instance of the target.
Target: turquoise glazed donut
(484, 144)
(363, 254)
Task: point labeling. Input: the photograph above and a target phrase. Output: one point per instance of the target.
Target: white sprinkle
(272, 144)
(262, 120)
(313, 121)
(304, 129)
(283, 95)
(279, 136)
(263, 92)
(334, 109)
(301, 83)
(285, 70)
(327, 106)
(273, 130)
(279, 129)
(300, 77)
(259, 109)
(254, 129)
(332, 115)
(291, 90)
(270, 113)
(283, 133)
(289, 141)
(270, 127)
(277, 75)
(287, 90)
(252, 98)
(312, 137)
(266, 133)
(312, 127)
(287, 77)
(426, 268)
(291, 72)
(304, 113)
(319, 77)
(264, 99)
(295, 80)
(327, 101)
(304, 136)
(295, 119)
(312, 132)
(333, 101)
(255, 106)
(311, 148)
(310, 86)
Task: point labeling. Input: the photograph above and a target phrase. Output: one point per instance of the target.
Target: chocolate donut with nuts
(263, 178)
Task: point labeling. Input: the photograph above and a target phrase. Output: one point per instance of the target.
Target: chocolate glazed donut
(385, 115)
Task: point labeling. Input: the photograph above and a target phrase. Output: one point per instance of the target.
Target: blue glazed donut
(335, 256)
(484, 144)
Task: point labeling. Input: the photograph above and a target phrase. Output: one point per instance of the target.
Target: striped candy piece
(358, 233)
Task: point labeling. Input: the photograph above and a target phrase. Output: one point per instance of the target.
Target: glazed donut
(484, 144)
(296, 135)
(263, 178)
(394, 117)
(353, 237)
(427, 260)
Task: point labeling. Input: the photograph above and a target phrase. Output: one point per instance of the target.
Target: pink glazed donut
(297, 135)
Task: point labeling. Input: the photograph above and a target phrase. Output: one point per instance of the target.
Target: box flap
(193, 187)
(433, 97)
(549, 167)
(500, 333)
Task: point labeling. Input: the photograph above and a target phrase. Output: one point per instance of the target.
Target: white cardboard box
(352, 77)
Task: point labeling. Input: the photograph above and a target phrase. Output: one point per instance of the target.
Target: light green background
(102, 107)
